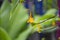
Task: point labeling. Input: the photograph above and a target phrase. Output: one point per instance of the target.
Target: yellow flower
(30, 20)
(39, 28)
(21, 1)
(53, 23)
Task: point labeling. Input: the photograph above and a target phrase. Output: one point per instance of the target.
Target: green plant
(13, 21)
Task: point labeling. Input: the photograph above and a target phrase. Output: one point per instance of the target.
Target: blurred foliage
(13, 21)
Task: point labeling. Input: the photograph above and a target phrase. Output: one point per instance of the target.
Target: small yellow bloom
(39, 27)
(58, 18)
(53, 23)
(30, 20)
(21, 1)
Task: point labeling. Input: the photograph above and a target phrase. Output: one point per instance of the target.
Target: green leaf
(4, 16)
(5, 5)
(48, 22)
(4, 35)
(25, 34)
(18, 20)
(14, 4)
(50, 13)
(49, 29)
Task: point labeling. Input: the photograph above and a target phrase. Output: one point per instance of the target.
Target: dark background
(1, 2)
